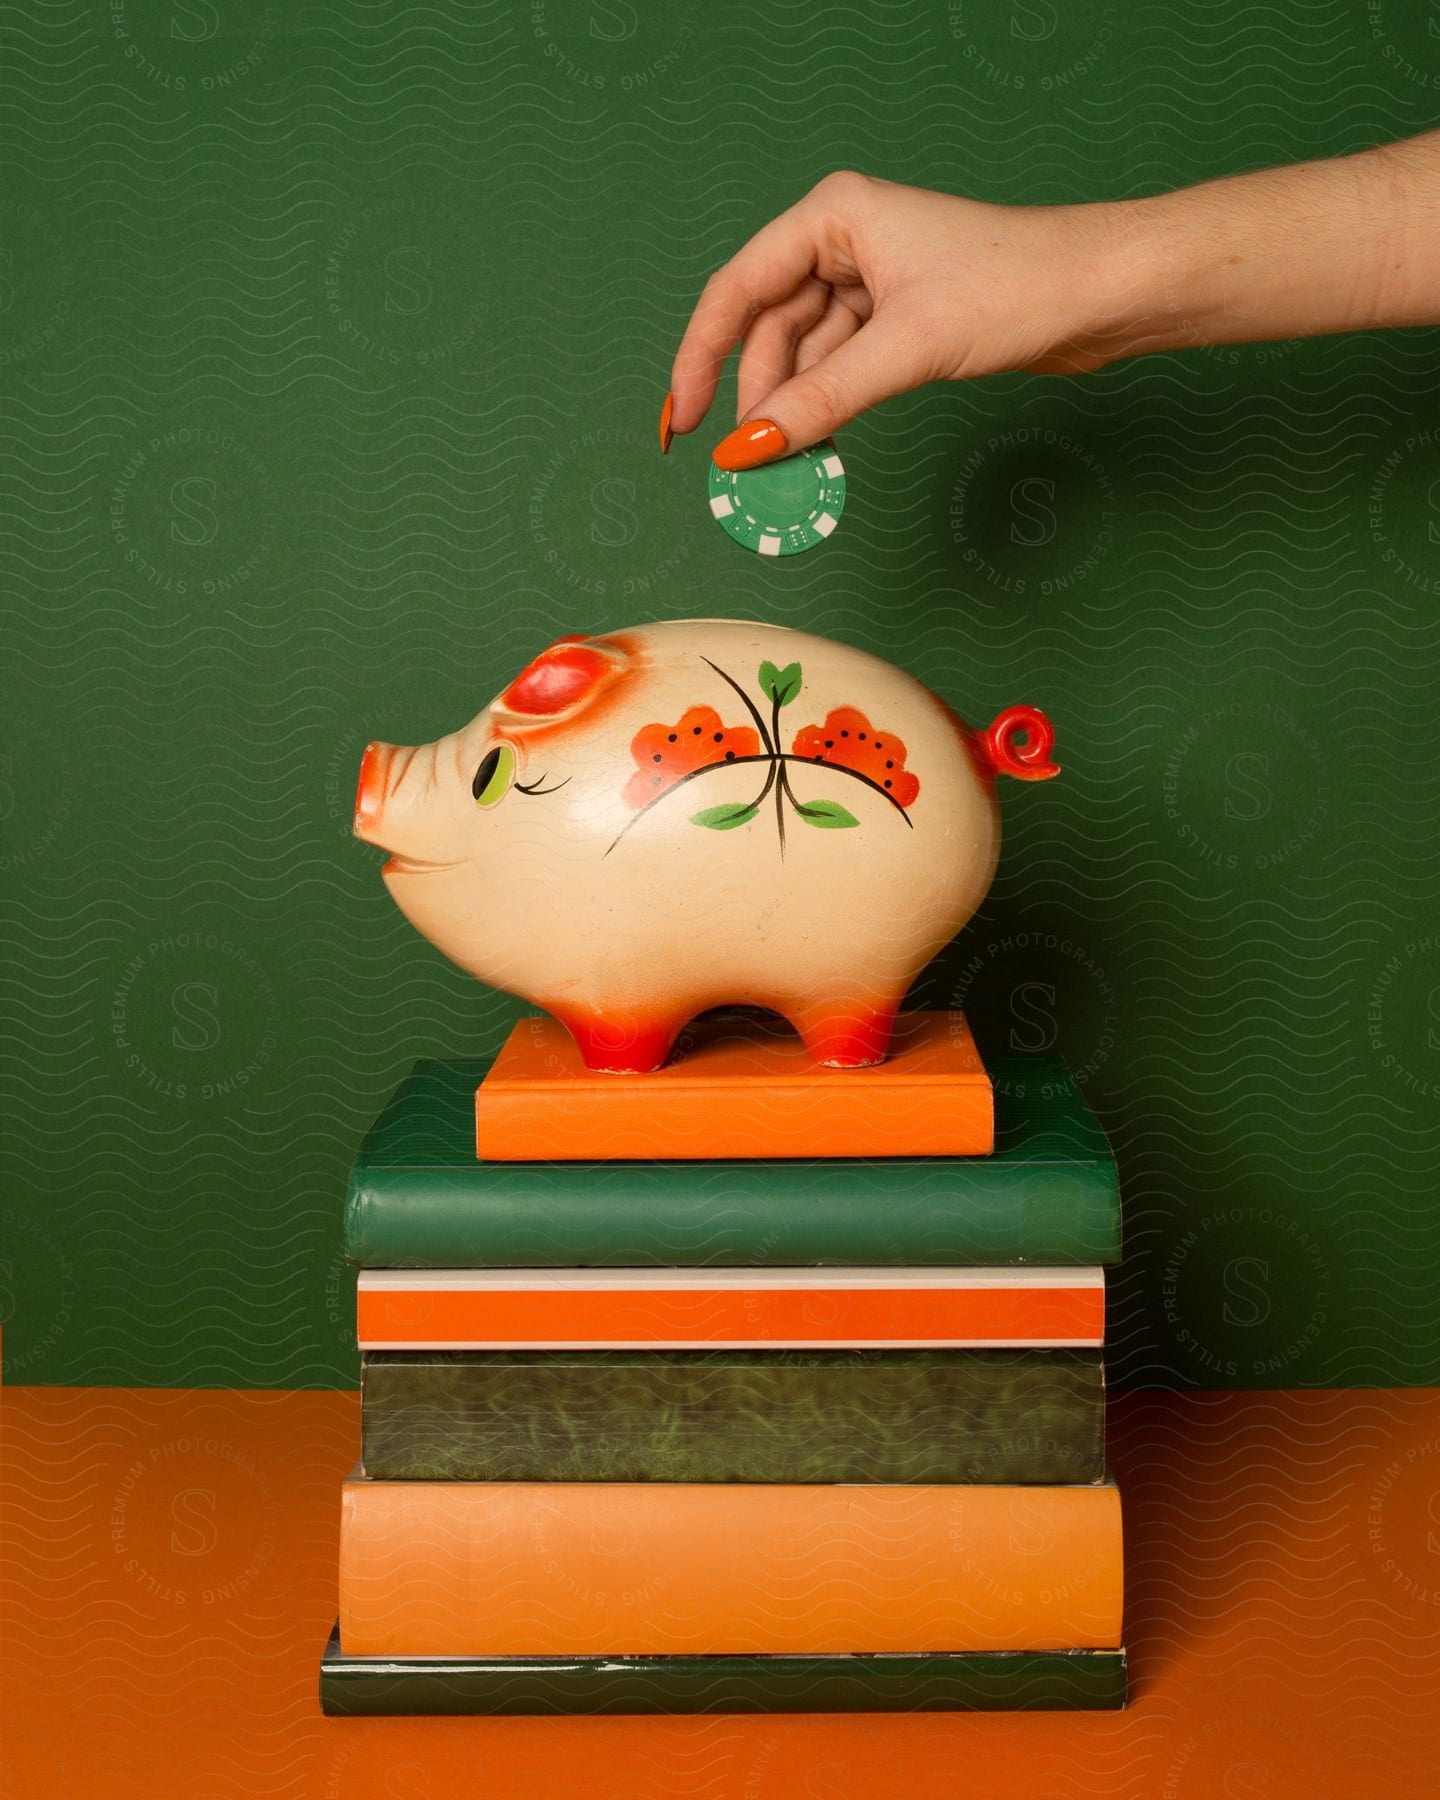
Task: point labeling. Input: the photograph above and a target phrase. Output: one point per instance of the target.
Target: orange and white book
(743, 1308)
(481, 1568)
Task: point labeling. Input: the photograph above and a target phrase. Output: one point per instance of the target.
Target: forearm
(866, 288)
(1346, 245)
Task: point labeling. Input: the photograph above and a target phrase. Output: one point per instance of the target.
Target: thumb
(867, 368)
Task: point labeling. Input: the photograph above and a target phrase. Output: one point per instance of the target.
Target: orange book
(474, 1568)
(775, 1309)
(737, 1086)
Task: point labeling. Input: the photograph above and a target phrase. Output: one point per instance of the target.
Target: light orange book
(474, 1568)
(741, 1086)
(776, 1309)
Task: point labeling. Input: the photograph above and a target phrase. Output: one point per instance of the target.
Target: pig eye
(493, 777)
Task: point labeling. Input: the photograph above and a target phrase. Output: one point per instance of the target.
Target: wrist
(1398, 201)
(1101, 288)
(1135, 296)
(1182, 274)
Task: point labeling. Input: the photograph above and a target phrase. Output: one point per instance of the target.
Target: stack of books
(807, 1434)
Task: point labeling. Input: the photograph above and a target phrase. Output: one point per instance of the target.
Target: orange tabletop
(170, 1580)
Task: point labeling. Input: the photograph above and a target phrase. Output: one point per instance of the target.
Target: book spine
(439, 1218)
(581, 1117)
(886, 1416)
(487, 1309)
(1008, 1681)
(465, 1569)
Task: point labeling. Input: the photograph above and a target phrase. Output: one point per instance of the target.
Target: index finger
(764, 271)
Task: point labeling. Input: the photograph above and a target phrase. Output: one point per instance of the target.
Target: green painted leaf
(829, 815)
(780, 685)
(725, 817)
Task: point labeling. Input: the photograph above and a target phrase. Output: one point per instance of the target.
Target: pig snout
(396, 805)
(373, 785)
(410, 801)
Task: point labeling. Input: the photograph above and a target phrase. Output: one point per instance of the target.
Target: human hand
(867, 289)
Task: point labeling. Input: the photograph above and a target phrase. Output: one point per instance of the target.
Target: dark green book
(734, 1415)
(418, 1197)
(934, 1681)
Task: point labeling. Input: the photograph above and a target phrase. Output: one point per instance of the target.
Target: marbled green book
(734, 1415)
(933, 1681)
(419, 1198)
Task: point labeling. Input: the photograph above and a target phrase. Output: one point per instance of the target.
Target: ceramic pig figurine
(699, 813)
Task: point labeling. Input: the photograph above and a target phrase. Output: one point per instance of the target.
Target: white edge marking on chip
(769, 546)
(825, 524)
(722, 506)
(833, 466)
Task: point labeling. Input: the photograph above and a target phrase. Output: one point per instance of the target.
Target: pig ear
(567, 675)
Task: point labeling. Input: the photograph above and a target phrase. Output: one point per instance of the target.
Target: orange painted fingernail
(756, 441)
(667, 436)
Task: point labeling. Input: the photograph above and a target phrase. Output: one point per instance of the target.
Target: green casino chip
(782, 507)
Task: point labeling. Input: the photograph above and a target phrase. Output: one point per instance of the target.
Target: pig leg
(846, 1034)
(621, 1044)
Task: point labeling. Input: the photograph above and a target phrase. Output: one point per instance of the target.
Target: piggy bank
(698, 813)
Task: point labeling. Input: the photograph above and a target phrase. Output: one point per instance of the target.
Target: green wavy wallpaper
(334, 339)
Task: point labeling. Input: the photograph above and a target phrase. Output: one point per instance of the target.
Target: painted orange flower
(848, 740)
(697, 740)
